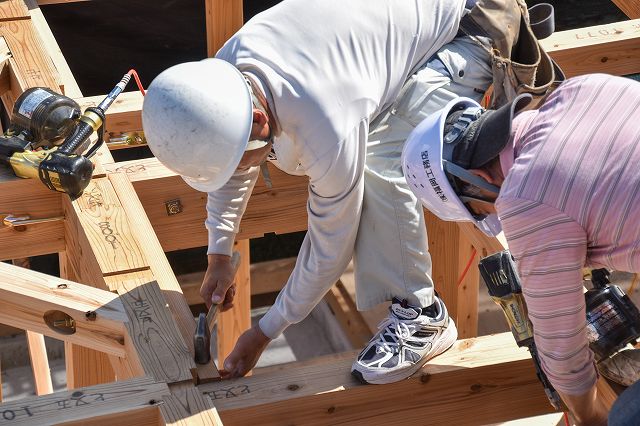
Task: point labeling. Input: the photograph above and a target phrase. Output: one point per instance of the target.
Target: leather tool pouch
(519, 63)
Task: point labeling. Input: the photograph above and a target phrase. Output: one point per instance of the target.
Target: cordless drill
(613, 320)
(499, 274)
(48, 135)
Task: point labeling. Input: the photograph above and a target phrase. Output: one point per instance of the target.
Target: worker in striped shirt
(562, 182)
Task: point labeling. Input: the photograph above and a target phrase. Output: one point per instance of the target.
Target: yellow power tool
(48, 136)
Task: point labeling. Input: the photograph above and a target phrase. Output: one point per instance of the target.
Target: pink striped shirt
(571, 199)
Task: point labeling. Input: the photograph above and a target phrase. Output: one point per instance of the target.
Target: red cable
(135, 75)
(566, 418)
(466, 269)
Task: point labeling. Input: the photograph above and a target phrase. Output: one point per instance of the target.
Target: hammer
(202, 336)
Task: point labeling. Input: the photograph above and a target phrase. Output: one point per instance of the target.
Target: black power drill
(48, 136)
(613, 320)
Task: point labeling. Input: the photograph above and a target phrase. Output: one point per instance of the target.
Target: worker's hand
(217, 286)
(245, 354)
(586, 409)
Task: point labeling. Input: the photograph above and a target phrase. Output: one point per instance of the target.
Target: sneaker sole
(449, 337)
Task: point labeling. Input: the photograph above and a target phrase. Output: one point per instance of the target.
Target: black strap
(542, 20)
(541, 17)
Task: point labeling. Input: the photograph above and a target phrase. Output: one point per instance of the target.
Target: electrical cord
(135, 76)
(466, 269)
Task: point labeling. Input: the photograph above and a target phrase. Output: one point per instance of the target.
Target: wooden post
(235, 321)
(37, 350)
(451, 252)
(631, 8)
(224, 18)
(39, 363)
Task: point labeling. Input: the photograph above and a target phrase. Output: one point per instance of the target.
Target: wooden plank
(187, 406)
(47, 2)
(224, 18)
(84, 366)
(84, 403)
(27, 296)
(280, 210)
(631, 8)
(153, 331)
(11, 10)
(39, 363)
(31, 240)
(235, 321)
(346, 312)
(104, 220)
(467, 385)
(450, 253)
(145, 416)
(160, 267)
(610, 48)
(28, 50)
(28, 196)
(123, 115)
(68, 83)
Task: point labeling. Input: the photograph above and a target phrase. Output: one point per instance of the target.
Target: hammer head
(202, 341)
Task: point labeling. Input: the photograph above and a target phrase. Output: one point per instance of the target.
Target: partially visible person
(626, 410)
(331, 89)
(562, 182)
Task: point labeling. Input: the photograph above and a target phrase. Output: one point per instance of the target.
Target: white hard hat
(197, 119)
(426, 166)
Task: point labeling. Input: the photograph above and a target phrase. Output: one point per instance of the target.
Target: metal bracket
(173, 207)
(14, 221)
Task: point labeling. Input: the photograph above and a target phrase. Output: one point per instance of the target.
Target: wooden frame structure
(129, 319)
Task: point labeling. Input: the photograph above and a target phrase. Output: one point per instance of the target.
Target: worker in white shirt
(331, 90)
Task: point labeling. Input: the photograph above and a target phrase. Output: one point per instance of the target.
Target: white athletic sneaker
(405, 341)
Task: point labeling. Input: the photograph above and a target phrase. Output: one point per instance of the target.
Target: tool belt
(519, 63)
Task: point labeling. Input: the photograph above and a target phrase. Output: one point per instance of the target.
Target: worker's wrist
(216, 258)
(262, 338)
(272, 324)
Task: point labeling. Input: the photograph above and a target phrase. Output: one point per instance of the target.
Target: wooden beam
(28, 50)
(105, 222)
(144, 416)
(187, 406)
(153, 331)
(450, 253)
(28, 298)
(631, 8)
(112, 399)
(68, 83)
(610, 48)
(47, 2)
(39, 363)
(123, 115)
(84, 366)
(160, 267)
(11, 10)
(224, 18)
(282, 209)
(235, 321)
(28, 196)
(467, 385)
(31, 240)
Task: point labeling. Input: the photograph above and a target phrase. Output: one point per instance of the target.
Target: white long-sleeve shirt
(328, 67)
